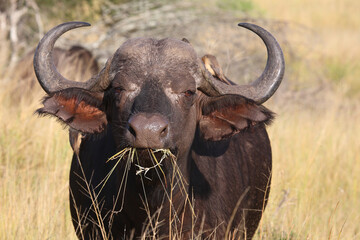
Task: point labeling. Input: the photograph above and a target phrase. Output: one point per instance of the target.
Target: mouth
(148, 159)
(145, 159)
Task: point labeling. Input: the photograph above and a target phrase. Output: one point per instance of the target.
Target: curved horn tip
(64, 27)
(74, 24)
(250, 26)
(79, 23)
(244, 24)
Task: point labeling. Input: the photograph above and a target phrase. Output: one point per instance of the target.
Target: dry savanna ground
(315, 191)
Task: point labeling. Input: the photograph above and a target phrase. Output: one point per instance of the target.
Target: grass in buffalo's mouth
(132, 156)
(165, 153)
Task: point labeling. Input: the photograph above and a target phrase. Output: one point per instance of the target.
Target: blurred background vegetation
(319, 40)
(316, 176)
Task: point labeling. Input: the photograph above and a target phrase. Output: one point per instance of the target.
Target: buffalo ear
(227, 115)
(80, 109)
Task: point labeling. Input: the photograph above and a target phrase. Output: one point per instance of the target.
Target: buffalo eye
(119, 90)
(189, 93)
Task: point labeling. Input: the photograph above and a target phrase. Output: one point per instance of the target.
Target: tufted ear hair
(78, 108)
(227, 115)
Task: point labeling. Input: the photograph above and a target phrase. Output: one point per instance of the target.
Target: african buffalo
(154, 95)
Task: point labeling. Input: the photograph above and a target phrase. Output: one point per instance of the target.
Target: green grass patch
(343, 73)
(337, 70)
(236, 5)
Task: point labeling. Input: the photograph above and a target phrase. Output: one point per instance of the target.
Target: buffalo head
(154, 93)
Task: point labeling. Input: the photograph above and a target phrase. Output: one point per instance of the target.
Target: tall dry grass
(34, 168)
(315, 190)
(316, 176)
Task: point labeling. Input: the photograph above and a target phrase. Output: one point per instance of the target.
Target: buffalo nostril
(132, 131)
(164, 132)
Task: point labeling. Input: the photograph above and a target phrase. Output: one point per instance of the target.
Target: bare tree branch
(38, 19)
(9, 24)
(3, 24)
(14, 16)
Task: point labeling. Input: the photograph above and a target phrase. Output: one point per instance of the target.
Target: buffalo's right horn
(262, 88)
(49, 78)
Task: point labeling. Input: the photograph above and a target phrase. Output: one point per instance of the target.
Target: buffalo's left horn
(265, 86)
(49, 78)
